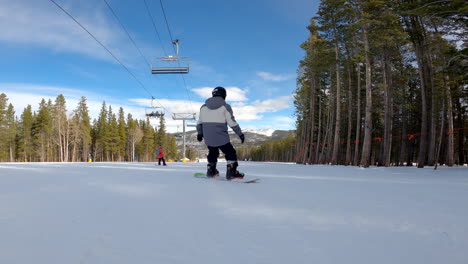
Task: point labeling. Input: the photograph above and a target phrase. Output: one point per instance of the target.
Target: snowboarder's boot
(211, 170)
(232, 172)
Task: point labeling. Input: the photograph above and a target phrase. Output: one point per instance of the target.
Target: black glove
(200, 137)
(242, 138)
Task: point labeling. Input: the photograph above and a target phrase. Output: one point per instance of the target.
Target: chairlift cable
(126, 31)
(172, 40)
(167, 24)
(100, 43)
(188, 94)
(154, 27)
(131, 39)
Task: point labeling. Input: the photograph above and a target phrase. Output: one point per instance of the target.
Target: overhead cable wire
(126, 31)
(172, 40)
(167, 23)
(131, 39)
(188, 93)
(157, 32)
(102, 45)
(154, 26)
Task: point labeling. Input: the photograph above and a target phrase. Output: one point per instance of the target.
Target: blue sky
(250, 47)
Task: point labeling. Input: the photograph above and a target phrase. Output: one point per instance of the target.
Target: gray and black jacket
(215, 115)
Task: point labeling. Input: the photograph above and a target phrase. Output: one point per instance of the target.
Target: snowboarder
(160, 155)
(215, 115)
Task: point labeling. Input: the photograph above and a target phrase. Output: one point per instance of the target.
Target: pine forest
(382, 83)
(53, 135)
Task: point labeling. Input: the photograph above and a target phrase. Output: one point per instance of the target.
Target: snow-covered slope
(265, 132)
(142, 213)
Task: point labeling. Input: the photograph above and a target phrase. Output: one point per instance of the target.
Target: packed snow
(143, 213)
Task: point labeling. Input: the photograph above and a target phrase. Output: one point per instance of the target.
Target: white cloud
(271, 123)
(234, 94)
(275, 78)
(253, 111)
(42, 24)
(20, 95)
(284, 122)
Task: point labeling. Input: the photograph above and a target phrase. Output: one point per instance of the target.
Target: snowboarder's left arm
(200, 126)
(232, 121)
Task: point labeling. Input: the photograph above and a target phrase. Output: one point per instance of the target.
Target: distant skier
(215, 115)
(160, 155)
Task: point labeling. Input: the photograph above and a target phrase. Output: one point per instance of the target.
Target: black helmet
(219, 91)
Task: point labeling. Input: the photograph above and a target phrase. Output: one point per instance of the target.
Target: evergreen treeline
(275, 150)
(52, 134)
(384, 83)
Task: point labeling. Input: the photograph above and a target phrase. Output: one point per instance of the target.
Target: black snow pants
(228, 150)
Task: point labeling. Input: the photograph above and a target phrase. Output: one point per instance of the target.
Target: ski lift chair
(157, 112)
(170, 64)
(154, 111)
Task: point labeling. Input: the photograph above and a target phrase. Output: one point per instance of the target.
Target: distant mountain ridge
(253, 138)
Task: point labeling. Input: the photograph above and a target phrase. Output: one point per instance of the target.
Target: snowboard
(219, 178)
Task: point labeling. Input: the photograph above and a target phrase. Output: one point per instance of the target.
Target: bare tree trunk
(423, 138)
(386, 146)
(73, 158)
(461, 134)
(336, 141)
(401, 156)
(133, 150)
(350, 118)
(60, 136)
(323, 154)
(313, 88)
(432, 138)
(366, 148)
(303, 146)
(12, 159)
(440, 135)
(67, 141)
(305, 140)
(329, 138)
(358, 116)
(417, 33)
(319, 132)
(48, 151)
(450, 139)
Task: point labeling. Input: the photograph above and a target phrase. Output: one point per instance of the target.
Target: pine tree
(385, 36)
(25, 144)
(333, 19)
(11, 132)
(3, 127)
(101, 128)
(83, 119)
(147, 143)
(160, 138)
(61, 127)
(134, 136)
(171, 147)
(112, 137)
(42, 131)
(122, 134)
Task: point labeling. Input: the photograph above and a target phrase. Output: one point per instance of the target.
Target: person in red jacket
(160, 155)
